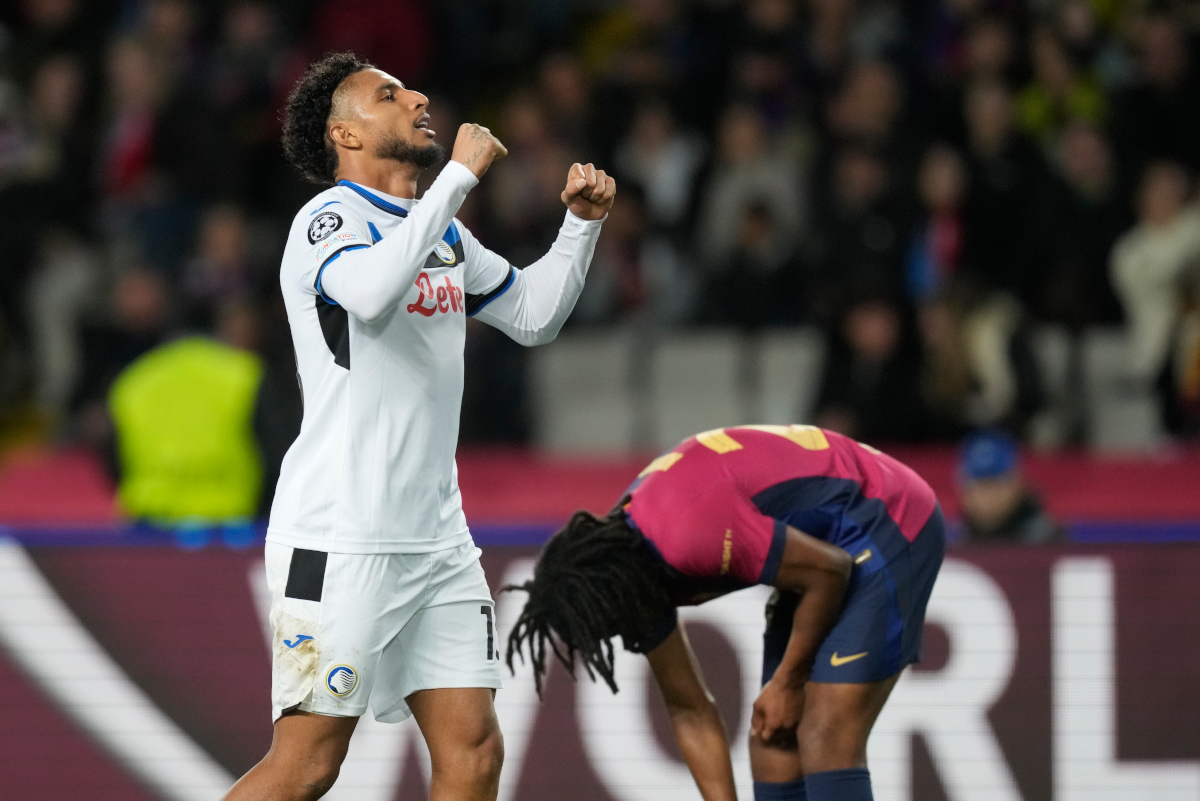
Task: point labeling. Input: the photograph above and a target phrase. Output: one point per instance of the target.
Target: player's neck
(383, 175)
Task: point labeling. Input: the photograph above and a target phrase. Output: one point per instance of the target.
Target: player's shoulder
(325, 213)
(329, 223)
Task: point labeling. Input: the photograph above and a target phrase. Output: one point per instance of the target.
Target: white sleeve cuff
(458, 173)
(580, 224)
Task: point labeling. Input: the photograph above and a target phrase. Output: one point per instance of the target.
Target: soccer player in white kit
(377, 595)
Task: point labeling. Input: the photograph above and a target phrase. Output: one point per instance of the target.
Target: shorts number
(486, 611)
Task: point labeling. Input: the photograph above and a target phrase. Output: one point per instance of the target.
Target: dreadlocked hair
(306, 116)
(596, 579)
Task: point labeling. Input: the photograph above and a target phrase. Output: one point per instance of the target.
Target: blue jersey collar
(374, 199)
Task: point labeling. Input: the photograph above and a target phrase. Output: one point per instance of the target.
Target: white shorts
(351, 628)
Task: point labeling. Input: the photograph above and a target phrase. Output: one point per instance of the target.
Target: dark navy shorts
(879, 631)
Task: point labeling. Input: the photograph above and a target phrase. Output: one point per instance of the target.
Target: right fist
(475, 148)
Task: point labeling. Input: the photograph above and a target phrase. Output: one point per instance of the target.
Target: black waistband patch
(306, 575)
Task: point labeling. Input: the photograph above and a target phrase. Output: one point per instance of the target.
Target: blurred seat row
(621, 390)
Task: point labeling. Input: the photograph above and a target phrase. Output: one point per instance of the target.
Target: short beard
(422, 157)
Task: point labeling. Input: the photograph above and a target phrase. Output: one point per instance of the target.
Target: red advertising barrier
(518, 486)
(1063, 673)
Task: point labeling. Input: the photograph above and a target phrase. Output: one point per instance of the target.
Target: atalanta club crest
(444, 252)
(322, 226)
(341, 680)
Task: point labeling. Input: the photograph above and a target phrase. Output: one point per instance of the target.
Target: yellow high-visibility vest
(185, 441)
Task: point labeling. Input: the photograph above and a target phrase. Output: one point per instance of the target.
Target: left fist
(589, 193)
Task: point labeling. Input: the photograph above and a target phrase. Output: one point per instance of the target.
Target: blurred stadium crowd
(924, 181)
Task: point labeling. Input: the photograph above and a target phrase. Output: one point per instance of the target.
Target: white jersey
(378, 290)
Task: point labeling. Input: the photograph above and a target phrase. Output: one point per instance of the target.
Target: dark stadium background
(907, 220)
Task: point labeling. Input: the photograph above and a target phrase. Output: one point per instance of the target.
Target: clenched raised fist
(589, 193)
(476, 148)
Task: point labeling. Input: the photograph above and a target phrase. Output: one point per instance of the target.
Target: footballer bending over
(850, 538)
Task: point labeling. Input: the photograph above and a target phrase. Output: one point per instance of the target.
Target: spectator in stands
(136, 321)
(525, 208)
(221, 268)
(997, 502)
(190, 147)
(944, 29)
(1086, 214)
(978, 367)
(129, 184)
(936, 245)
(168, 30)
(991, 49)
(948, 380)
(858, 234)
(869, 110)
(56, 184)
(183, 417)
(1154, 268)
(1005, 173)
(826, 46)
(617, 282)
(566, 97)
(44, 140)
(1060, 92)
(648, 48)
(664, 162)
(53, 27)
(759, 283)
(246, 63)
(1085, 30)
(870, 389)
(749, 169)
(48, 198)
(637, 274)
(62, 292)
(989, 54)
(765, 46)
(1159, 116)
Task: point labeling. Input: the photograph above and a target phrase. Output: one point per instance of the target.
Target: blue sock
(780, 791)
(849, 784)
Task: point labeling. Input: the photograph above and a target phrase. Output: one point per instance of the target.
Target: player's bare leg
(465, 745)
(306, 754)
(832, 734)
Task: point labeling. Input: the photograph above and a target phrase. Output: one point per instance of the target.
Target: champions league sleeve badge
(341, 680)
(322, 226)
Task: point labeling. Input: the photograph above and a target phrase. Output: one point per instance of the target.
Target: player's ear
(341, 135)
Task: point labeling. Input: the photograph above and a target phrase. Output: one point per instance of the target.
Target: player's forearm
(369, 281)
(816, 614)
(542, 296)
(820, 572)
(705, 746)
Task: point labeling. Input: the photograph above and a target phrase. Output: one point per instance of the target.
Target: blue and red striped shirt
(717, 507)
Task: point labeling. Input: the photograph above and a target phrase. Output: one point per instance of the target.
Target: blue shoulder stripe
(373, 199)
(321, 272)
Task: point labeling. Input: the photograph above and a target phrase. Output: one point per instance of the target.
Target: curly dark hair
(306, 116)
(596, 579)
